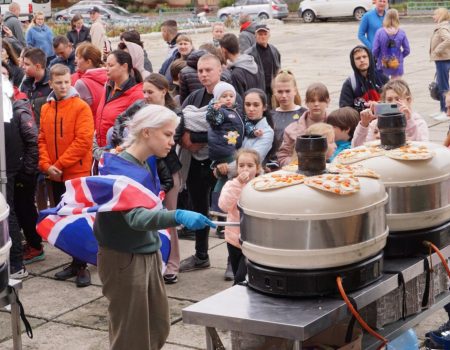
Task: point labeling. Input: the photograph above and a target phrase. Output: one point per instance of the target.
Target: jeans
(237, 261)
(200, 181)
(442, 71)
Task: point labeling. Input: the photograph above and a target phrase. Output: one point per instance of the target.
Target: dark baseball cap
(262, 27)
(94, 9)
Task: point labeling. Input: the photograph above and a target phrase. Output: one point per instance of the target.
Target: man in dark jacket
(169, 32)
(247, 33)
(365, 82)
(11, 20)
(266, 56)
(65, 53)
(244, 70)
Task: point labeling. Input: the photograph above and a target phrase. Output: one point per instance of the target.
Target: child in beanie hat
(224, 93)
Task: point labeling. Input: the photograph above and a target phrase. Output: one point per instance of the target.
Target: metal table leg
(15, 324)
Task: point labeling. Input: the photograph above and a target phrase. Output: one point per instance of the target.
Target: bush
(225, 3)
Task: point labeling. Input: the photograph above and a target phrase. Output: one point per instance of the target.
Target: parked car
(309, 10)
(255, 8)
(109, 12)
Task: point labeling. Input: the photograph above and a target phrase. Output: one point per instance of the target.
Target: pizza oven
(298, 239)
(418, 207)
(5, 244)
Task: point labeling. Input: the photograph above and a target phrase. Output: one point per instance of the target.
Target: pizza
(342, 184)
(292, 168)
(353, 169)
(410, 152)
(276, 180)
(358, 154)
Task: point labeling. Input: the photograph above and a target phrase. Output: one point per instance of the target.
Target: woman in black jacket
(79, 32)
(9, 58)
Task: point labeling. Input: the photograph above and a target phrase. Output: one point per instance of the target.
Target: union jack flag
(69, 226)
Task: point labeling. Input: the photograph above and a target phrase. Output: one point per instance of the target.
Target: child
(248, 166)
(65, 147)
(287, 102)
(390, 46)
(226, 129)
(344, 121)
(324, 129)
(395, 91)
(317, 101)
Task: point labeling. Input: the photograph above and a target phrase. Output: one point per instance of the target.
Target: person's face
(218, 32)
(165, 33)
(381, 5)
(317, 109)
(253, 106)
(361, 59)
(227, 99)
(341, 135)
(331, 146)
(184, 47)
(447, 105)
(153, 95)
(4, 55)
(94, 16)
(262, 37)
(30, 68)
(63, 51)
(60, 85)
(82, 64)
(78, 24)
(392, 97)
(209, 73)
(160, 140)
(285, 93)
(39, 20)
(114, 70)
(5, 73)
(16, 11)
(246, 163)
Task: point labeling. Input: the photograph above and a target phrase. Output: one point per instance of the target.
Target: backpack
(391, 61)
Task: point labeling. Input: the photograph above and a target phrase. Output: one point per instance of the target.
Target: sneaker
(18, 273)
(220, 232)
(32, 255)
(170, 278)
(194, 263)
(441, 117)
(68, 272)
(228, 275)
(442, 328)
(83, 277)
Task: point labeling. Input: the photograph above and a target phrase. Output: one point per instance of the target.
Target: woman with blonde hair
(39, 35)
(390, 46)
(440, 54)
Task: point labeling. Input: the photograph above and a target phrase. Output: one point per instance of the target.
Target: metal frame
(7, 297)
(242, 309)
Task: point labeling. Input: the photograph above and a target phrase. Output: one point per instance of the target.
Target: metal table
(242, 309)
(7, 297)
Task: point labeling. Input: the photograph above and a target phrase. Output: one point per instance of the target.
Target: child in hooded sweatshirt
(225, 130)
(395, 91)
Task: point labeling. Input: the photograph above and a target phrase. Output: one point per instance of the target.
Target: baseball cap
(262, 27)
(94, 9)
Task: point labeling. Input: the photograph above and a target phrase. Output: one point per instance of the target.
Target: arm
(405, 47)
(230, 194)
(97, 151)
(184, 88)
(96, 36)
(360, 135)
(346, 99)
(417, 128)
(30, 40)
(84, 92)
(142, 219)
(363, 29)
(214, 116)
(165, 177)
(376, 49)
(82, 143)
(264, 143)
(444, 35)
(286, 149)
(29, 135)
(44, 157)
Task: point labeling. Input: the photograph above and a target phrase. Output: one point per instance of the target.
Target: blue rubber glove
(192, 220)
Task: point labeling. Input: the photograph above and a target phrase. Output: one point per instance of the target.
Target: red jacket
(95, 80)
(107, 112)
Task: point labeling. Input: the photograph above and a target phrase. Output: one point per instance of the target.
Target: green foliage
(293, 7)
(225, 3)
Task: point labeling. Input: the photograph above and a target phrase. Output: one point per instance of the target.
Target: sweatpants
(138, 307)
(173, 264)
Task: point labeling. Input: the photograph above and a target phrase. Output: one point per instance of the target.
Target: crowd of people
(212, 119)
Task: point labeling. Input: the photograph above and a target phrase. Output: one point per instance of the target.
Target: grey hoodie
(246, 62)
(13, 23)
(245, 74)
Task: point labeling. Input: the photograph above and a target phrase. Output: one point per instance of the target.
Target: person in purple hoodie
(390, 46)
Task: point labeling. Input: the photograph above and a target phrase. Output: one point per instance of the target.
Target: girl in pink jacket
(395, 91)
(248, 164)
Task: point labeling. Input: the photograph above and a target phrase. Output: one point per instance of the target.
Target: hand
(192, 220)
(404, 108)
(258, 132)
(7, 31)
(222, 168)
(54, 173)
(216, 105)
(244, 177)
(366, 117)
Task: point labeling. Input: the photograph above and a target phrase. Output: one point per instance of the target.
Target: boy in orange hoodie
(65, 147)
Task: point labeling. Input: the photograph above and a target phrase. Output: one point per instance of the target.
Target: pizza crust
(341, 184)
(352, 169)
(354, 155)
(276, 180)
(411, 152)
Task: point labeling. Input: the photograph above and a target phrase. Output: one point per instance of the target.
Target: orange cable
(439, 254)
(357, 315)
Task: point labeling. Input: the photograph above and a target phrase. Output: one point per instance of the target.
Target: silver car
(255, 8)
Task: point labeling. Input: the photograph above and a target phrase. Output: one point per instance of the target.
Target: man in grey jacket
(11, 20)
(247, 33)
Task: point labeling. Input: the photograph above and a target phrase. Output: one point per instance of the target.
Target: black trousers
(24, 205)
(237, 261)
(58, 189)
(200, 181)
(16, 252)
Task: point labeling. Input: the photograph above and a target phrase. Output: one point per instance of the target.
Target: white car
(309, 10)
(255, 8)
